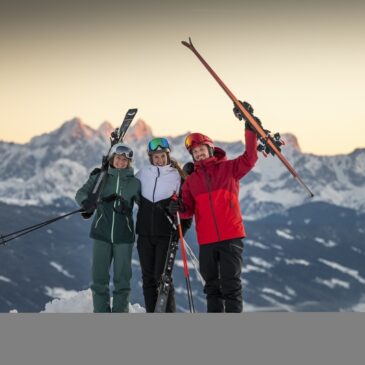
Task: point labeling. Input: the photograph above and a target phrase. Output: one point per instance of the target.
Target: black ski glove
(88, 206)
(185, 225)
(189, 168)
(173, 207)
(237, 112)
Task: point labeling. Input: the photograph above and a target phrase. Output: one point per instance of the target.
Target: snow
(180, 263)
(248, 268)
(256, 244)
(277, 304)
(260, 262)
(80, 302)
(333, 283)
(356, 249)
(344, 269)
(290, 291)
(60, 293)
(276, 293)
(5, 279)
(296, 262)
(60, 269)
(60, 167)
(285, 234)
(325, 243)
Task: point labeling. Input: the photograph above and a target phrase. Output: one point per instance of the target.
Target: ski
(166, 277)
(116, 136)
(270, 143)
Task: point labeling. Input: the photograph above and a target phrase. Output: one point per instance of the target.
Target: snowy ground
(79, 302)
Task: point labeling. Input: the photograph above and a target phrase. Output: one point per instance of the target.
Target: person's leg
(122, 274)
(230, 270)
(146, 253)
(208, 262)
(101, 260)
(162, 246)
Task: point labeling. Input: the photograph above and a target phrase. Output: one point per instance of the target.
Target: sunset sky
(300, 64)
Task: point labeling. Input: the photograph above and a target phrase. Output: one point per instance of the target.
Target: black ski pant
(221, 266)
(152, 251)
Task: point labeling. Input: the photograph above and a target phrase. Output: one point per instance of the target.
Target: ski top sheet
(126, 123)
(166, 277)
(116, 137)
(265, 136)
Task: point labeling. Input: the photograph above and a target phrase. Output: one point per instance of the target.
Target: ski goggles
(195, 139)
(158, 144)
(124, 150)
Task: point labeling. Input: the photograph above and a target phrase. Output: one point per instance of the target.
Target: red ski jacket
(211, 193)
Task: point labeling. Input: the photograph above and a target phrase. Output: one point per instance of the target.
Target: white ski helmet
(121, 149)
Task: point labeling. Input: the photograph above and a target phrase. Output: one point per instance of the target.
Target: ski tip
(188, 44)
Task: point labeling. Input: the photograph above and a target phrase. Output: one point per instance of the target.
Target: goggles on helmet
(120, 149)
(158, 144)
(195, 139)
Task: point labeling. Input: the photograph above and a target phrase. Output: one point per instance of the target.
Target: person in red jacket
(210, 193)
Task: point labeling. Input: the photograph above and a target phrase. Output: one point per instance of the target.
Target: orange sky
(300, 66)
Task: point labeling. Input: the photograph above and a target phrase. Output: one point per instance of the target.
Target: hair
(176, 165)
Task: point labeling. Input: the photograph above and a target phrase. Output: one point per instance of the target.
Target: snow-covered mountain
(50, 168)
(300, 254)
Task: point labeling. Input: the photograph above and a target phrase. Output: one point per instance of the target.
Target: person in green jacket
(112, 229)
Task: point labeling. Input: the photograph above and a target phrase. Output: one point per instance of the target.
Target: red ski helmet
(195, 139)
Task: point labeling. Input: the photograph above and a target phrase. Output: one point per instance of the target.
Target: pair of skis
(269, 143)
(116, 137)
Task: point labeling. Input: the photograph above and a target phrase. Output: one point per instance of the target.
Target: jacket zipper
(129, 227)
(211, 201)
(153, 201)
(113, 220)
(97, 222)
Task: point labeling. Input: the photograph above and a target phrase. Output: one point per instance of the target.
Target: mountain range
(50, 168)
(300, 254)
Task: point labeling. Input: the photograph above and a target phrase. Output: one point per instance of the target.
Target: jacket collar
(122, 173)
(219, 155)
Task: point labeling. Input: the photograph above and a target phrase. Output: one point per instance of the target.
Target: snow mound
(81, 302)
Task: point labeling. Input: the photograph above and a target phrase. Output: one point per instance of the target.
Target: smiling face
(200, 152)
(159, 158)
(120, 162)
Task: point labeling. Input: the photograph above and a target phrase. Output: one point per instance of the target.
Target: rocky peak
(138, 132)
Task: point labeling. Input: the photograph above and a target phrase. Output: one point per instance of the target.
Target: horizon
(300, 65)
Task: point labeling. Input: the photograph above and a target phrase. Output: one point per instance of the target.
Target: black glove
(96, 171)
(237, 112)
(88, 206)
(185, 225)
(250, 127)
(173, 207)
(189, 168)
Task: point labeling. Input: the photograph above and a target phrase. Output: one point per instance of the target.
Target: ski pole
(11, 236)
(29, 229)
(183, 253)
(186, 270)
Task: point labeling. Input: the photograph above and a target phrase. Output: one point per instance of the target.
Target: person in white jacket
(159, 181)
